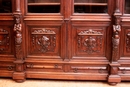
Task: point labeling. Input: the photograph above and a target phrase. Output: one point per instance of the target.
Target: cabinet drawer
(44, 67)
(88, 69)
(7, 66)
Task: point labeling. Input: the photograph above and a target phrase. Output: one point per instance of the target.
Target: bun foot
(113, 83)
(19, 81)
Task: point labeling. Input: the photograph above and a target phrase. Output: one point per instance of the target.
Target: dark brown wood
(65, 39)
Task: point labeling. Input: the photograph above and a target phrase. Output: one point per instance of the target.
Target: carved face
(17, 20)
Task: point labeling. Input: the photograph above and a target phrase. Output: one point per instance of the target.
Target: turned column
(114, 78)
(19, 74)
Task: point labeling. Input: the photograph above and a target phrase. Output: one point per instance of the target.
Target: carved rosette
(4, 40)
(18, 36)
(43, 40)
(90, 41)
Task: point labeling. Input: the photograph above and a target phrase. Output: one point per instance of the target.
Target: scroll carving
(4, 40)
(43, 40)
(90, 41)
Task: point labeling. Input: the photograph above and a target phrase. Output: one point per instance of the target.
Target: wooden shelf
(94, 4)
(43, 4)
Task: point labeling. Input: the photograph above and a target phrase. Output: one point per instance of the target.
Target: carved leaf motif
(43, 30)
(43, 43)
(4, 40)
(90, 44)
(90, 32)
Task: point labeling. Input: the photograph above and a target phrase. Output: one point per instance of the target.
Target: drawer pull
(124, 71)
(56, 66)
(101, 70)
(75, 70)
(10, 68)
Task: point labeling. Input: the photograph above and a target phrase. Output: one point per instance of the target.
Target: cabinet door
(127, 7)
(43, 6)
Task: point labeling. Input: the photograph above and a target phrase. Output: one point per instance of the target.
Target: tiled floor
(55, 83)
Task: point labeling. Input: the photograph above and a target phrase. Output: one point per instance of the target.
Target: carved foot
(113, 83)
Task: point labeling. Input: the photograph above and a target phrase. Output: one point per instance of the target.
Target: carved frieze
(90, 41)
(43, 40)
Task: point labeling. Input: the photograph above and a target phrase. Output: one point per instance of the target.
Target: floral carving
(90, 32)
(43, 31)
(90, 41)
(43, 40)
(90, 44)
(4, 40)
(43, 43)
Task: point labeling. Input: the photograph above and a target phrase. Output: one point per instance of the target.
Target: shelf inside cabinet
(92, 4)
(38, 4)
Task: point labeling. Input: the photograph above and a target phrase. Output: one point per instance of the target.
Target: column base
(19, 77)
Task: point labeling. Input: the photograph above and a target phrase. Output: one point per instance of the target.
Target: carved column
(114, 78)
(19, 74)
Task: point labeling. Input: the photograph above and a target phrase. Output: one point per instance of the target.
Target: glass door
(43, 6)
(5, 6)
(90, 6)
(127, 6)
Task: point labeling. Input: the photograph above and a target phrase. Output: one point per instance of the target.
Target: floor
(54, 83)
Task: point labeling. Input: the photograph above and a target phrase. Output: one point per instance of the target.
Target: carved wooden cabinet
(65, 39)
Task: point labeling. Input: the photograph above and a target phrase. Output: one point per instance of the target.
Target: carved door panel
(44, 42)
(126, 39)
(6, 46)
(89, 42)
(124, 60)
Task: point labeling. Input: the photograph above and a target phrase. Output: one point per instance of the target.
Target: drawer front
(7, 66)
(44, 67)
(89, 69)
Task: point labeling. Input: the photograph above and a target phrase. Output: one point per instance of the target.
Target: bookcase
(65, 40)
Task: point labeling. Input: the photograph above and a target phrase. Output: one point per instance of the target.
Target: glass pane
(43, 6)
(90, 6)
(5, 6)
(127, 6)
